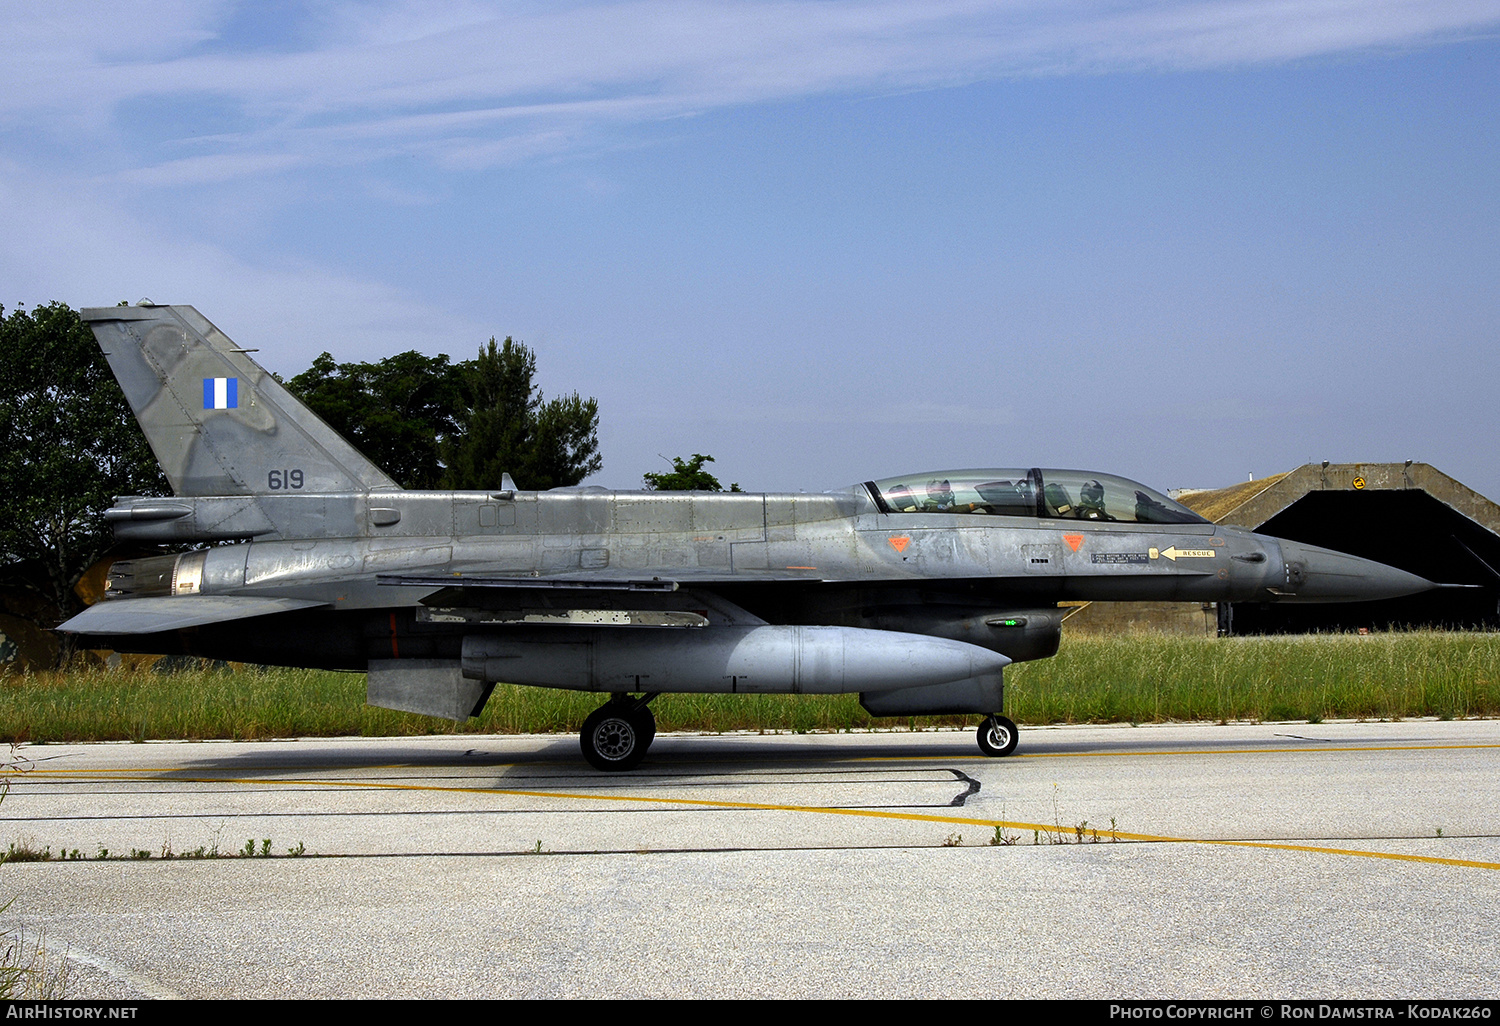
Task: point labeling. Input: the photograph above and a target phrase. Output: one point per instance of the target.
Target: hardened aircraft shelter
(1407, 515)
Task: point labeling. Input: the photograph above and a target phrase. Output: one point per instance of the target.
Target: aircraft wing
(150, 615)
(528, 582)
(591, 597)
(604, 580)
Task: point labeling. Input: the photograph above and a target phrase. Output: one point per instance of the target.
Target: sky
(1185, 242)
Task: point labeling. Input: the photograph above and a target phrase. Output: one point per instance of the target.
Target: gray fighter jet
(913, 591)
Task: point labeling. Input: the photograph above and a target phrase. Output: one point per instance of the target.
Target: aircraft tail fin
(218, 422)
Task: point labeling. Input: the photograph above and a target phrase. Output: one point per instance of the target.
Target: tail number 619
(276, 480)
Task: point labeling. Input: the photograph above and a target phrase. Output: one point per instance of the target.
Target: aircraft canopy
(1053, 494)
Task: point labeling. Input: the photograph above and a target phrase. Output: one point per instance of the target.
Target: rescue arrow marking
(1073, 540)
(900, 542)
(1174, 553)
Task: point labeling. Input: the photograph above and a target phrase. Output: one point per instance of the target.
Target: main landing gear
(617, 734)
(997, 736)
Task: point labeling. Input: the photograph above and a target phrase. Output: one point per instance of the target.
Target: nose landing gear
(997, 736)
(617, 734)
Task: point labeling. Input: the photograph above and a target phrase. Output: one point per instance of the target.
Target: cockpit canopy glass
(1054, 494)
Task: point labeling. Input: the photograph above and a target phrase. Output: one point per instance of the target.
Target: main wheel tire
(614, 738)
(647, 721)
(997, 736)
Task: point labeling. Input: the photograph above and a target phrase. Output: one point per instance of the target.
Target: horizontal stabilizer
(152, 615)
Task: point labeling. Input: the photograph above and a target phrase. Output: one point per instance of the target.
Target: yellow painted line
(48, 772)
(1183, 751)
(171, 771)
(1113, 835)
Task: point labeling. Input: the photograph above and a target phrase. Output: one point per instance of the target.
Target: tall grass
(1145, 678)
(1137, 678)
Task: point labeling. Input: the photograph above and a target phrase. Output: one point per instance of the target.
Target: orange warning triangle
(1073, 540)
(900, 542)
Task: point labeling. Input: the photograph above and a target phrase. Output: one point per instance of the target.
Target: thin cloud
(493, 83)
(212, 168)
(78, 247)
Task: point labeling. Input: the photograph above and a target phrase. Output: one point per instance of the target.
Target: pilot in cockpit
(1091, 502)
(939, 496)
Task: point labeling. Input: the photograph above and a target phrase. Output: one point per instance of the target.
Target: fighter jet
(914, 591)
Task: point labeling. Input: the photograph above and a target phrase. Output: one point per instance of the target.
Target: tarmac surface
(1266, 861)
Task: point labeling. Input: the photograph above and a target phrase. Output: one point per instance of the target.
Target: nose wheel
(617, 735)
(997, 736)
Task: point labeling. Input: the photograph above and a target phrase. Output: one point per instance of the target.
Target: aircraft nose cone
(1323, 575)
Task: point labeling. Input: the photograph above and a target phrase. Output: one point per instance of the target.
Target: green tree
(71, 445)
(506, 426)
(397, 411)
(687, 476)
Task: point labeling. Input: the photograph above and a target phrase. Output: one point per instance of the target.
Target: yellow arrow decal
(1174, 553)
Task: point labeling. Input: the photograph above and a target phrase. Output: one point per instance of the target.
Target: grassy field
(1141, 678)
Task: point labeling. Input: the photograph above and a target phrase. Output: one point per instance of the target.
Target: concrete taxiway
(1263, 861)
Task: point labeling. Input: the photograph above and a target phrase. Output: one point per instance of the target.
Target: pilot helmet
(1091, 495)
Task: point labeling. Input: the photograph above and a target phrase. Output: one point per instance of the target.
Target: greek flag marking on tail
(221, 393)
